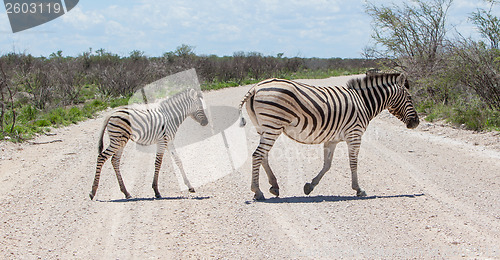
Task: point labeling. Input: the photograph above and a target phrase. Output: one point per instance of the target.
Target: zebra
(146, 127)
(376, 71)
(372, 71)
(322, 115)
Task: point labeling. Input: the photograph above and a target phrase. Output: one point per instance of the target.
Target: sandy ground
(433, 192)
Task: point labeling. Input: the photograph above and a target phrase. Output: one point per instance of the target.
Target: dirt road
(433, 192)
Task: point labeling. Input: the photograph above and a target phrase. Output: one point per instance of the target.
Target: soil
(433, 192)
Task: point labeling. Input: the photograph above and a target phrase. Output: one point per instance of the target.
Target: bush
(457, 79)
(57, 116)
(470, 116)
(45, 87)
(473, 115)
(75, 115)
(28, 113)
(123, 101)
(478, 68)
(493, 120)
(42, 123)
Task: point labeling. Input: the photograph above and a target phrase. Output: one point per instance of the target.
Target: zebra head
(199, 107)
(402, 105)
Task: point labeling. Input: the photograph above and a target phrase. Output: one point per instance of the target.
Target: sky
(297, 28)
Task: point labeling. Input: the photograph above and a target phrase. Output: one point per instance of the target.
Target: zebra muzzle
(413, 123)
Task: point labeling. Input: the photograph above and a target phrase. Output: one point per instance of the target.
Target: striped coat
(146, 127)
(322, 115)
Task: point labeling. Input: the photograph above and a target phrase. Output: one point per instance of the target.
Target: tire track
(45, 211)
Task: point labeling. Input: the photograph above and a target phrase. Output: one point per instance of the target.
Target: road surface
(433, 192)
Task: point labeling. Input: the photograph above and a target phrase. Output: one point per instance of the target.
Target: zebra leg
(115, 160)
(328, 150)
(266, 143)
(178, 161)
(275, 189)
(101, 159)
(160, 150)
(353, 145)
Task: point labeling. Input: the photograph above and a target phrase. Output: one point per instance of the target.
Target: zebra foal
(322, 115)
(146, 127)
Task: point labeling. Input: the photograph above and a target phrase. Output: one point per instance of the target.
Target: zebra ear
(403, 81)
(194, 94)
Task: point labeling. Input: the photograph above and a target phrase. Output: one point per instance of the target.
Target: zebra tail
(249, 94)
(243, 122)
(100, 144)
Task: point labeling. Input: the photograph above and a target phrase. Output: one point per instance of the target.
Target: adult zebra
(322, 115)
(146, 127)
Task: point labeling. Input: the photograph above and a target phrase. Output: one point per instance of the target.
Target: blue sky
(314, 28)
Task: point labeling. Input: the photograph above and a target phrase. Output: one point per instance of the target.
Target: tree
(477, 63)
(487, 24)
(184, 51)
(4, 90)
(412, 34)
(136, 55)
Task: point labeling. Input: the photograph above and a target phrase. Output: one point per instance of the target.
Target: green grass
(219, 85)
(88, 92)
(321, 74)
(30, 121)
(303, 74)
(473, 115)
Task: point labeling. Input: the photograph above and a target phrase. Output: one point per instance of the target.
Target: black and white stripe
(146, 127)
(322, 115)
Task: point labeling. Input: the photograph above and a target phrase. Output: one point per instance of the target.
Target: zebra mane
(365, 82)
(175, 97)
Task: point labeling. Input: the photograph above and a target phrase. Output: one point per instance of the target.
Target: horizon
(318, 29)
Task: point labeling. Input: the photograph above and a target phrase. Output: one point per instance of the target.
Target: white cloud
(4, 23)
(311, 28)
(115, 28)
(83, 20)
(317, 5)
(470, 4)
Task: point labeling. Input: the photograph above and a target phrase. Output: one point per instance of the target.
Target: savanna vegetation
(454, 77)
(39, 92)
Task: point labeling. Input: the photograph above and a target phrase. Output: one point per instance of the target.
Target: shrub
(42, 123)
(478, 68)
(74, 115)
(49, 85)
(28, 113)
(457, 79)
(493, 120)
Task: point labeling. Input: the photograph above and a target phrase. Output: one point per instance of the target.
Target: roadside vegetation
(37, 93)
(454, 78)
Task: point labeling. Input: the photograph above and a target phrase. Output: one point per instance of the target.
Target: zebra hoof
(128, 196)
(308, 188)
(259, 196)
(192, 190)
(158, 196)
(91, 196)
(361, 193)
(275, 191)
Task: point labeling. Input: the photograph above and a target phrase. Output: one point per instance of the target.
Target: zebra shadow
(322, 198)
(156, 199)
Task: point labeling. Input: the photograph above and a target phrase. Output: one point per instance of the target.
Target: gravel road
(433, 192)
